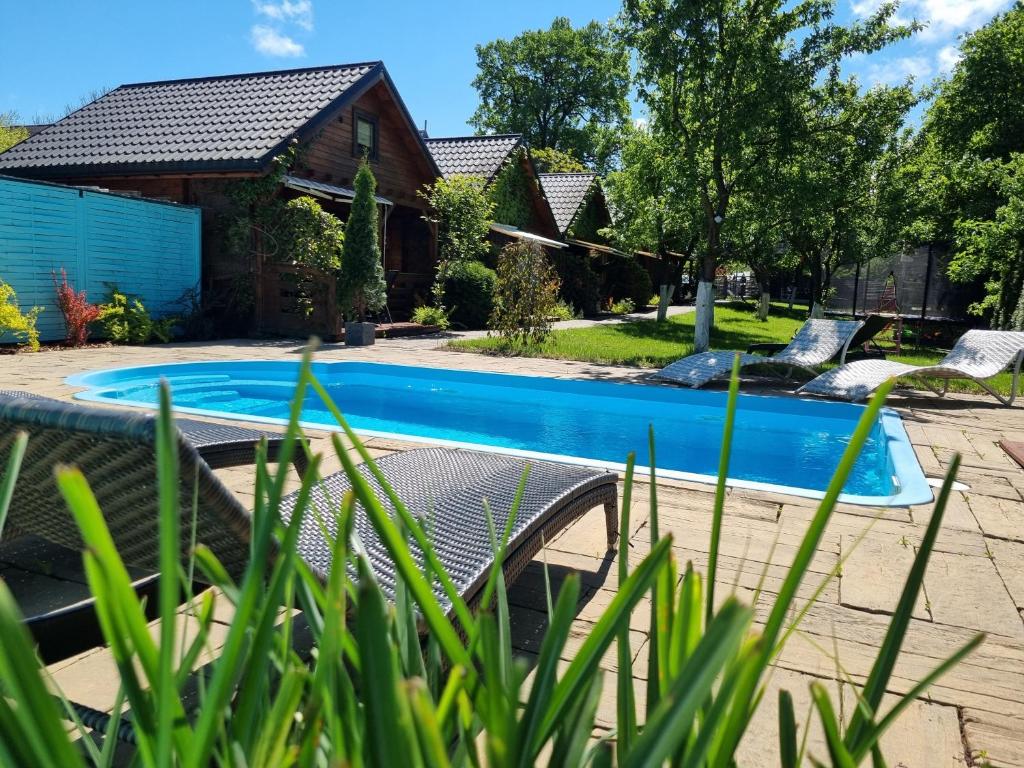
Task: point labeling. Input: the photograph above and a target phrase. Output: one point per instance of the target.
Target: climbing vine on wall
(511, 193)
(587, 223)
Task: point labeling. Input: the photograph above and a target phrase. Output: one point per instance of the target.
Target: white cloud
(897, 70)
(947, 57)
(298, 12)
(270, 42)
(944, 18)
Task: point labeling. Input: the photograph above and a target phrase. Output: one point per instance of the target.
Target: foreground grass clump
(374, 692)
(649, 344)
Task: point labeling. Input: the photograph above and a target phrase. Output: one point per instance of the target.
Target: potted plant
(362, 288)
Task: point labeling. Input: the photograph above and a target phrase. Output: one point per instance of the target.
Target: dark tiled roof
(232, 122)
(566, 193)
(472, 155)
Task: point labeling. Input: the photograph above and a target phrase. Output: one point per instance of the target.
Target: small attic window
(365, 135)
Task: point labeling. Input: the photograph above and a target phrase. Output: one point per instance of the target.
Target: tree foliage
(462, 211)
(559, 87)
(725, 82)
(10, 132)
(970, 164)
(312, 236)
(551, 160)
(833, 180)
(362, 274)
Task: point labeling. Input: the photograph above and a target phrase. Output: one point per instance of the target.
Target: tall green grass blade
(14, 460)
(165, 685)
(604, 632)
(625, 703)
(668, 724)
(723, 475)
(459, 607)
(386, 721)
(31, 726)
(657, 629)
(841, 757)
(787, 731)
(885, 662)
(546, 673)
(742, 711)
(405, 567)
(571, 741)
(872, 733)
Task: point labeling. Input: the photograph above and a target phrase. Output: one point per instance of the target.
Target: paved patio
(975, 581)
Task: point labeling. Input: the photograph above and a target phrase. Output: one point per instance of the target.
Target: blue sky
(57, 51)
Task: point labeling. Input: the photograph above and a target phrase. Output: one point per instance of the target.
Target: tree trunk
(817, 310)
(762, 307)
(704, 319)
(664, 299)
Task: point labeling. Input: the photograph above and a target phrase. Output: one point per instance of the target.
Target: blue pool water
(780, 443)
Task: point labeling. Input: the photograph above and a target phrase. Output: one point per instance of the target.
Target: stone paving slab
(974, 582)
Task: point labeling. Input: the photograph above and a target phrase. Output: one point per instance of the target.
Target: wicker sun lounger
(115, 451)
(978, 356)
(817, 342)
(220, 445)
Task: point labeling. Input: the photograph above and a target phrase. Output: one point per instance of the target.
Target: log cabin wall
(400, 167)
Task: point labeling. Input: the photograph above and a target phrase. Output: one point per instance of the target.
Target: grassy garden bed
(649, 344)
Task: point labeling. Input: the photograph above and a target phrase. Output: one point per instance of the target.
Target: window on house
(366, 136)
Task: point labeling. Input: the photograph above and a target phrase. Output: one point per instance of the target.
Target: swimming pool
(780, 444)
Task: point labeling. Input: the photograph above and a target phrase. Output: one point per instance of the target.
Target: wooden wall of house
(401, 168)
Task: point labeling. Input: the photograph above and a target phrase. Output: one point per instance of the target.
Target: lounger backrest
(116, 451)
(984, 353)
(818, 341)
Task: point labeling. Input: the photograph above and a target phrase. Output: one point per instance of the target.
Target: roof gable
(566, 194)
(231, 122)
(473, 155)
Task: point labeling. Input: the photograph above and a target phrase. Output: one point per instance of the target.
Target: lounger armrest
(767, 348)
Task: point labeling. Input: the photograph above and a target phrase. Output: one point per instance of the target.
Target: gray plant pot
(359, 334)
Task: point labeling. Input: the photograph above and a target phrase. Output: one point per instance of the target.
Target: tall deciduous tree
(559, 87)
(835, 177)
(974, 137)
(725, 80)
(652, 196)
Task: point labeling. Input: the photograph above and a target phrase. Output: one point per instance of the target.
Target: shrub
(625, 278)
(369, 695)
(361, 283)
(462, 212)
(125, 320)
(623, 307)
(312, 236)
(431, 316)
(77, 310)
(524, 295)
(580, 284)
(21, 325)
(469, 293)
(562, 311)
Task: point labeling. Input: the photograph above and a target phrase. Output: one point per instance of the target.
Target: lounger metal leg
(611, 521)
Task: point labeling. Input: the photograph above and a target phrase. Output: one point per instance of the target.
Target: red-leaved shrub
(77, 310)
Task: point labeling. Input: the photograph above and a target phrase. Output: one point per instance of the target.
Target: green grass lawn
(649, 344)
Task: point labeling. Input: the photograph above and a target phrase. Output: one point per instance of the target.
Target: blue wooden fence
(147, 248)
